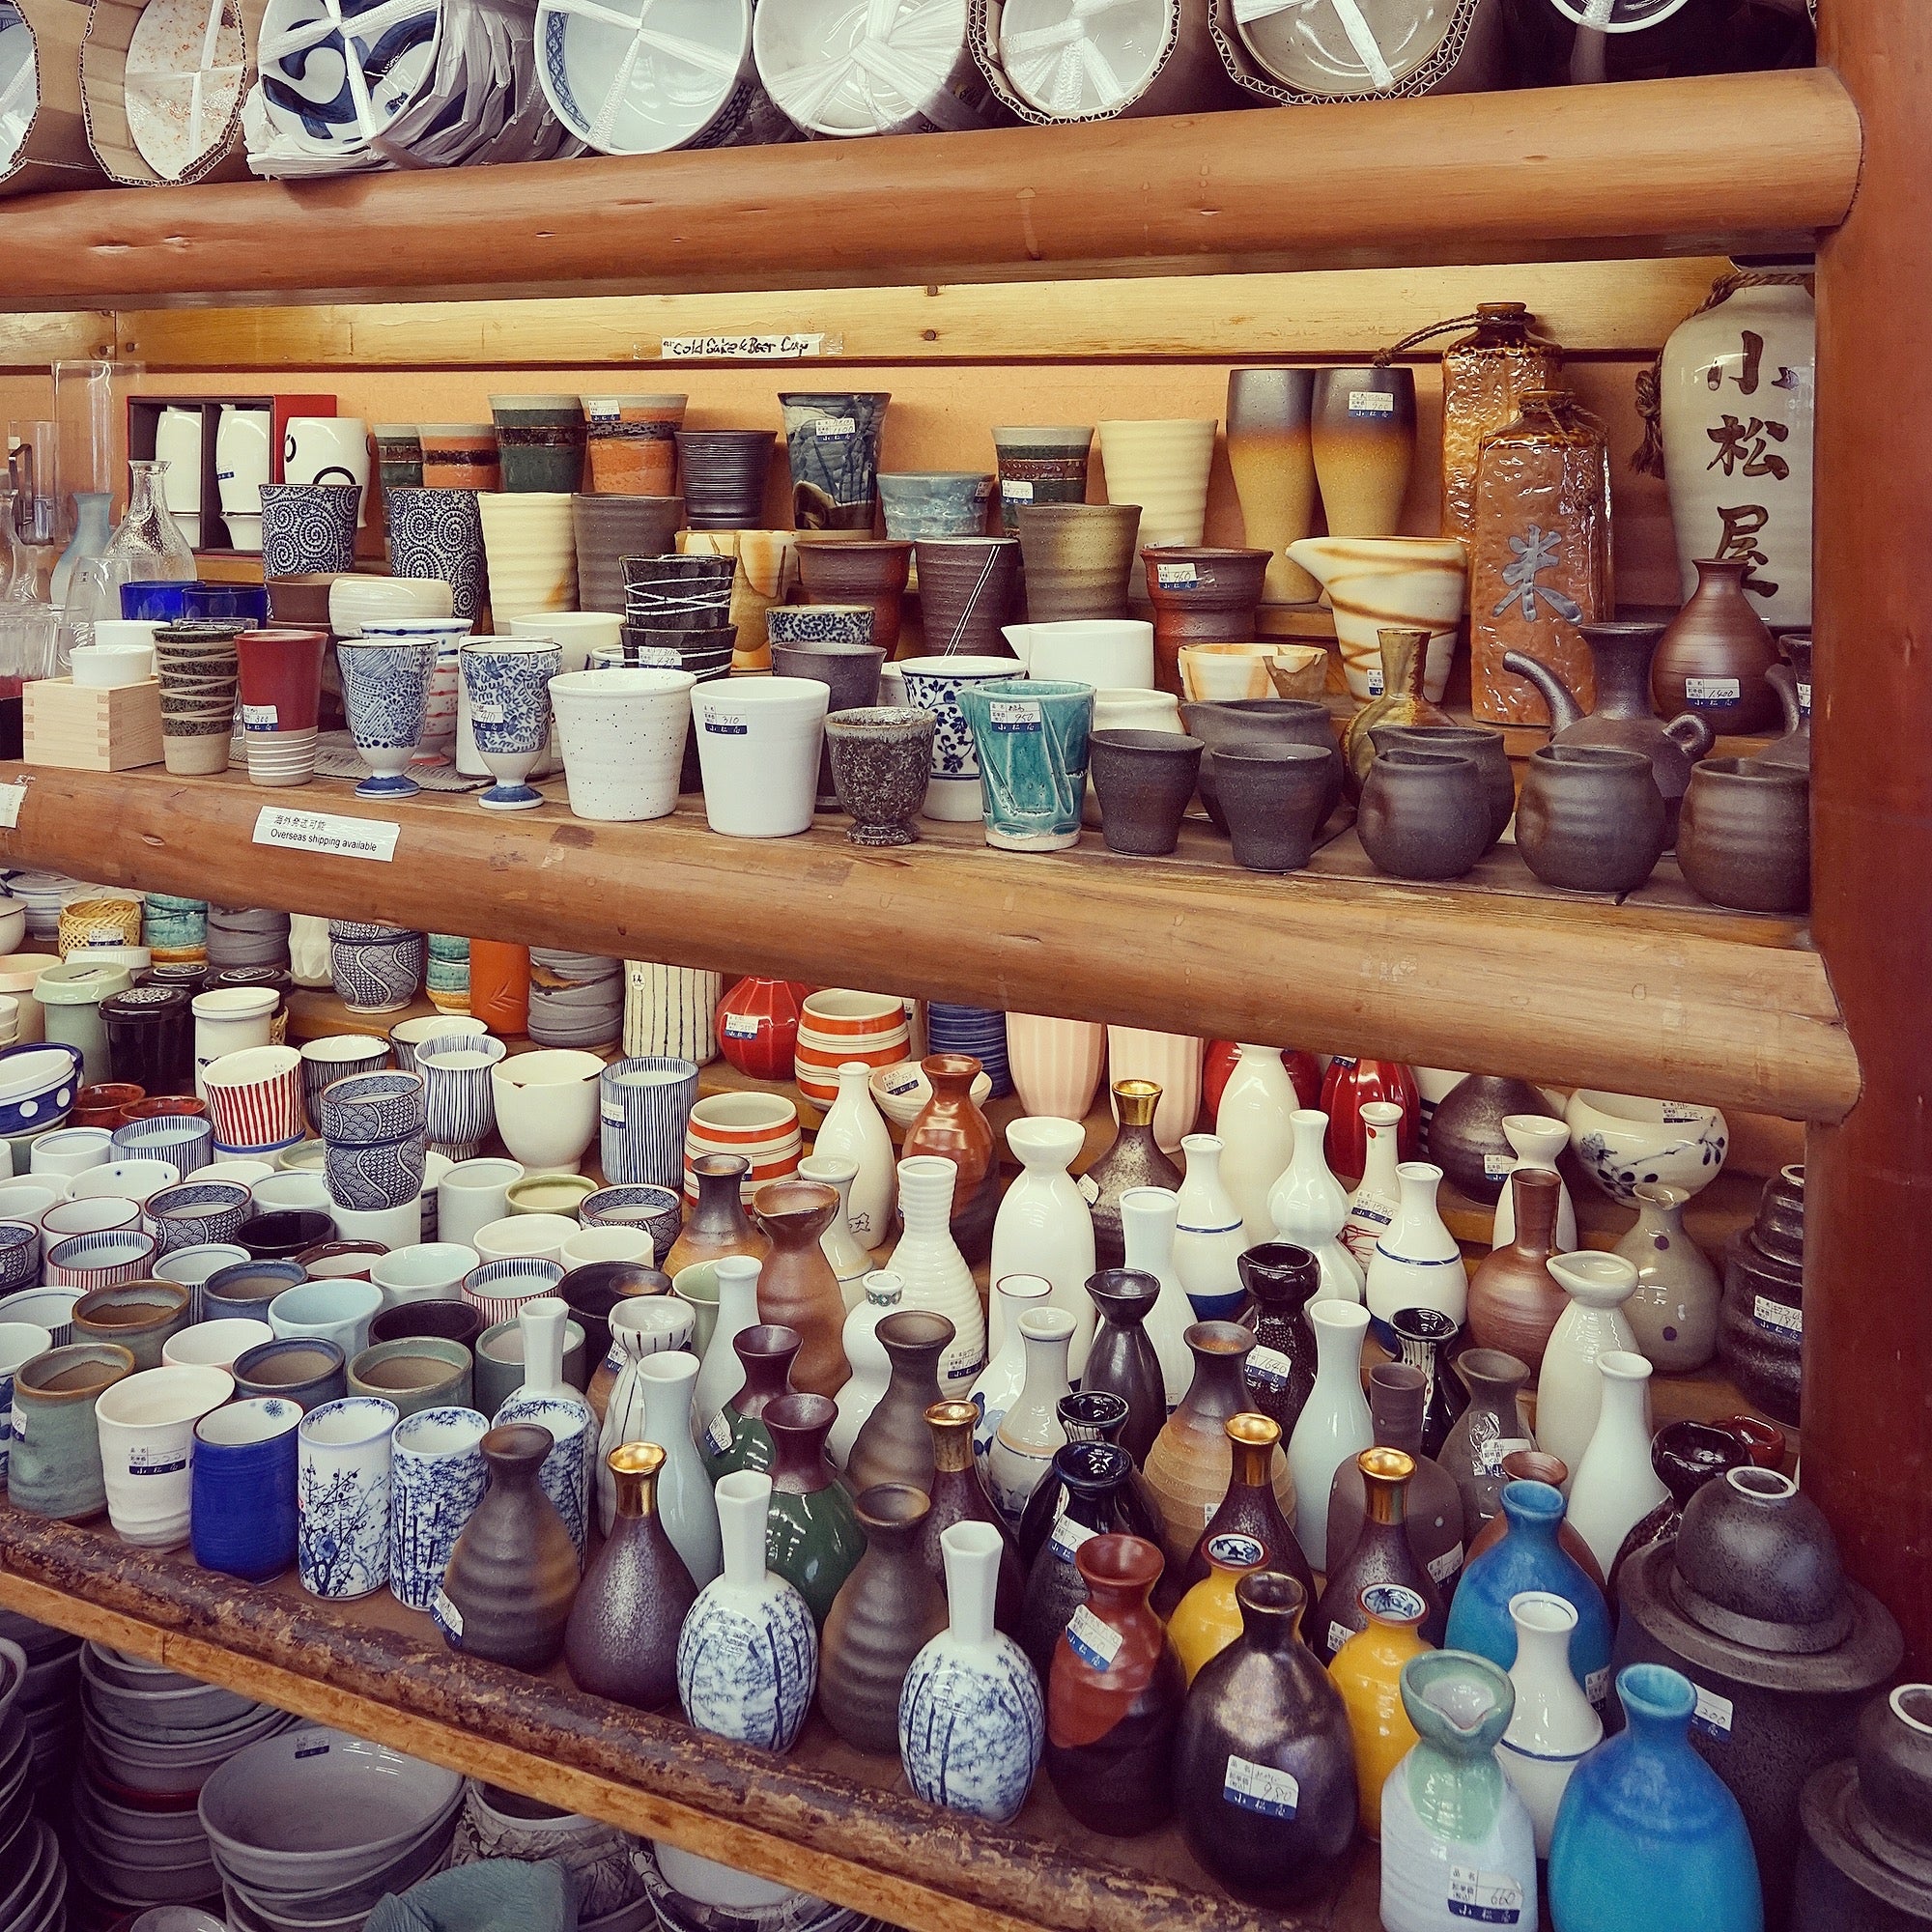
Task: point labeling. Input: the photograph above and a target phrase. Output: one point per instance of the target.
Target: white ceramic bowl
(127, 1180)
(1624, 1142)
(903, 1089)
(547, 1106)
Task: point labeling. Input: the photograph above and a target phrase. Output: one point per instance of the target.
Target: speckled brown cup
(1078, 558)
(881, 760)
(1144, 781)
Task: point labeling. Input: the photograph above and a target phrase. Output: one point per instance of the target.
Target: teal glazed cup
(539, 440)
(1031, 735)
(53, 1465)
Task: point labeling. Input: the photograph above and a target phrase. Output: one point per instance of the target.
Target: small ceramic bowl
(1624, 1142)
(903, 1089)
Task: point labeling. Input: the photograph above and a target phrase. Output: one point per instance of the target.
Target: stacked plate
(49, 1698)
(42, 894)
(33, 1875)
(577, 999)
(150, 1739)
(310, 1828)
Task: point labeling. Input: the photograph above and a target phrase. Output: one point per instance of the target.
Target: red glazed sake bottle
(1346, 1087)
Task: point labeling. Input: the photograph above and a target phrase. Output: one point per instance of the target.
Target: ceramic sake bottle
(1490, 1428)
(971, 1716)
(1432, 1505)
(1377, 1194)
(886, 1612)
(797, 1286)
(1191, 1462)
(959, 1494)
(1149, 1221)
(1553, 1726)
(1308, 1206)
(722, 1375)
(1568, 1391)
(1532, 1465)
(871, 1367)
(934, 1271)
(1208, 1234)
(1090, 1477)
(1536, 1140)
(1417, 1263)
(1379, 1554)
(951, 1127)
(854, 1129)
(1265, 1770)
(812, 1537)
(1335, 1422)
(546, 1399)
(1251, 1509)
(1368, 1672)
(747, 1656)
(1206, 1621)
(1029, 1434)
(1091, 1416)
(1122, 1361)
(1457, 1845)
(1281, 1280)
(632, 1341)
(895, 1444)
(621, 1639)
(1693, 1849)
(738, 1439)
(715, 1224)
(1253, 1123)
(1134, 1159)
(1043, 1228)
(1114, 1694)
(997, 1386)
(1674, 1310)
(1614, 1487)
(850, 1264)
(685, 1501)
(1514, 1299)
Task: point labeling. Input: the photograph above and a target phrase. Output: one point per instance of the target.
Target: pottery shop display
(1761, 1322)
(1271, 453)
(1079, 558)
(1744, 838)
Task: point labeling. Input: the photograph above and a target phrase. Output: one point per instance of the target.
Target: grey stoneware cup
(1144, 781)
(850, 673)
(1276, 797)
(881, 763)
(1423, 814)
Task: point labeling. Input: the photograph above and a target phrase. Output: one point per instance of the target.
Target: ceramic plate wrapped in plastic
(1618, 16)
(43, 126)
(642, 77)
(1342, 49)
(163, 81)
(1093, 60)
(20, 89)
(870, 67)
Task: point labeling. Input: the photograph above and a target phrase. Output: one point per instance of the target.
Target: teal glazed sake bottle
(1643, 1804)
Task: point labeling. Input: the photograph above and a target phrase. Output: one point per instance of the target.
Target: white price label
(1776, 1315)
(1713, 1714)
(1261, 1787)
(728, 725)
(446, 1614)
(1093, 1641)
(11, 798)
(719, 1435)
(1068, 1536)
(1805, 699)
(155, 1463)
(1486, 1897)
(1680, 1112)
(741, 1026)
(260, 716)
(1338, 1635)
(1442, 1568)
(1497, 1448)
(833, 427)
(1371, 403)
(19, 1425)
(1710, 691)
(485, 711)
(602, 412)
(1017, 490)
(315, 1743)
(613, 1112)
(326, 832)
(1376, 682)
(1176, 576)
(1013, 714)
(1268, 1368)
(785, 347)
(656, 657)
(1498, 1166)
(1597, 1683)
(1089, 1188)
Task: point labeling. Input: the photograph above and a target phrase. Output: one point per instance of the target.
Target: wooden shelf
(1658, 995)
(1631, 168)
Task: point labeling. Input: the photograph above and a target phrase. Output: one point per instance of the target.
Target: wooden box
(82, 729)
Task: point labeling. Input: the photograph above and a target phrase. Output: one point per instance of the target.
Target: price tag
(783, 346)
(1713, 1714)
(741, 1026)
(1710, 691)
(139, 1464)
(1487, 1898)
(485, 711)
(1268, 1368)
(1498, 1166)
(602, 412)
(19, 1425)
(1787, 1320)
(1805, 699)
(1338, 1636)
(1597, 1683)
(1089, 1188)
(719, 1435)
(1176, 576)
(315, 1743)
(1068, 1536)
(11, 798)
(613, 1112)
(1371, 403)
(328, 832)
(728, 725)
(1497, 1448)
(1376, 682)
(1017, 490)
(260, 716)
(447, 1616)
(1261, 1787)
(1093, 1642)
(1442, 1568)
(655, 657)
(833, 427)
(1013, 714)
(1679, 1113)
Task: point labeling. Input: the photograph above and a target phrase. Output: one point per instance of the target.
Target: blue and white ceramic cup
(385, 695)
(644, 1104)
(342, 1496)
(19, 1256)
(565, 1476)
(373, 1175)
(507, 683)
(437, 1477)
(980, 1031)
(195, 1212)
(1031, 737)
(935, 684)
(243, 1488)
(461, 1109)
(19, 1343)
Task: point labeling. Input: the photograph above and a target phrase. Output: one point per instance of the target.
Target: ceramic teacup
(417, 1373)
(146, 1424)
(431, 1272)
(214, 1344)
(53, 1466)
(141, 1316)
(336, 1311)
(308, 1370)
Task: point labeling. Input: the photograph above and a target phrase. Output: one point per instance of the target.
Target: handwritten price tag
(328, 832)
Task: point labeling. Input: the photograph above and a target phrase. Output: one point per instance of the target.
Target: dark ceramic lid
(1757, 1562)
(1835, 1820)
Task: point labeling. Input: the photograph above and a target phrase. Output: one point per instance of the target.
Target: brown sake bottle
(1514, 1299)
(958, 1495)
(1380, 1555)
(895, 1446)
(767, 1352)
(797, 1286)
(1250, 1507)
(1133, 1160)
(1432, 1512)
(717, 1226)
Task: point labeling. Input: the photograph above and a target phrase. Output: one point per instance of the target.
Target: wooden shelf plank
(1652, 998)
(1647, 167)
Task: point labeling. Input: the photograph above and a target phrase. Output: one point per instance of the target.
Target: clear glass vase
(148, 545)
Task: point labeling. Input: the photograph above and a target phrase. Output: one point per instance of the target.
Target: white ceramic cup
(111, 666)
(68, 1151)
(575, 633)
(30, 1200)
(393, 1227)
(337, 1310)
(91, 1214)
(228, 1018)
(129, 1179)
(189, 1268)
(623, 735)
(246, 1172)
(606, 1245)
(759, 741)
(147, 1436)
(432, 1271)
(243, 443)
(327, 450)
(473, 1194)
(301, 1188)
(1107, 652)
(120, 631)
(524, 1237)
(547, 1104)
(215, 1344)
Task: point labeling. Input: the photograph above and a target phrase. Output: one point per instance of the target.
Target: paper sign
(1068, 1536)
(328, 832)
(1017, 490)
(780, 348)
(260, 716)
(1268, 1365)
(834, 428)
(11, 798)
(1710, 691)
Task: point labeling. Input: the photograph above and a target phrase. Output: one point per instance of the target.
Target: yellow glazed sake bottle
(1208, 1619)
(1368, 1672)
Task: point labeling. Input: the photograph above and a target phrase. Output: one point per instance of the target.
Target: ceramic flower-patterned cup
(507, 682)
(385, 694)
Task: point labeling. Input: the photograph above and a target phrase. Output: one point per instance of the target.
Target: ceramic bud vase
(1425, 1338)
(1123, 1361)
(1568, 1391)
(972, 1718)
(1251, 1512)
(1514, 1301)
(1149, 1220)
(934, 1271)
(1553, 1726)
(721, 1374)
(1030, 1433)
(1281, 1280)
(1457, 1845)
(854, 1130)
(1308, 1208)
(1673, 1312)
(1417, 1263)
(621, 1639)
(1265, 1770)
(812, 1537)
(1614, 1488)
(1171, 1063)
(1372, 1206)
(1378, 1553)
(738, 1439)
(1536, 1140)
(959, 1494)
(1114, 1694)
(1335, 1422)
(997, 1386)
(1488, 1429)
(871, 1367)
(797, 1286)
(1208, 1234)
(1043, 1228)
(886, 1612)
(895, 1444)
(1088, 1494)
(1692, 1850)
(714, 1225)
(1135, 1159)
(1254, 1124)
(684, 1488)
(1368, 1672)
(748, 1654)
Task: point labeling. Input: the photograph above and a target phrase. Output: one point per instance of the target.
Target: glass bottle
(146, 545)
(1485, 378)
(1540, 557)
(1381, 1554)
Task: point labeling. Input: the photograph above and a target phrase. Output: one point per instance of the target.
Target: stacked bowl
(678, 613)
(373, 1133)
(308, 1830)
(38, 1084)
(48, 1702)
(577, 999)
(33, 1874)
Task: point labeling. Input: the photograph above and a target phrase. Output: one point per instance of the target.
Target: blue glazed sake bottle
(1644, 1805)
(1529, 1557)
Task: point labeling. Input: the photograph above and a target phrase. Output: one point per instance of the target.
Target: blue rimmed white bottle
(1208, 1238)
(1417, 1263)
(1553, 1726)
(385, 695)
(507, 683)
